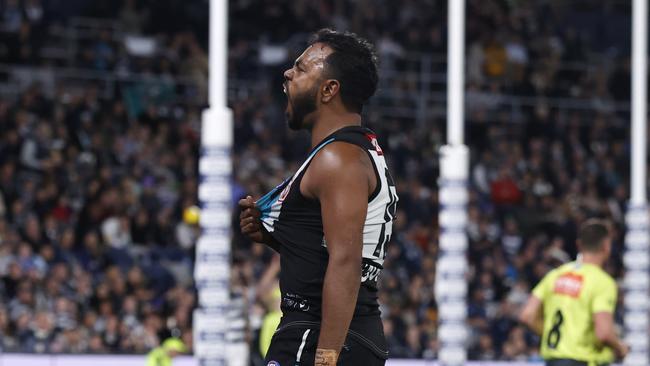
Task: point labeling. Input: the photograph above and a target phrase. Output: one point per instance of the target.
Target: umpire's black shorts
(569, 362)
(295, 342)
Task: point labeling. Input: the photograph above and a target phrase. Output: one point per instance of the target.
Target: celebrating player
(331, 220)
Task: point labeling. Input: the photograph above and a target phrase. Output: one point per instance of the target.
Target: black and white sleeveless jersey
(295, 222)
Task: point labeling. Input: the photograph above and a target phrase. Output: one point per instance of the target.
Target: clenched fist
(249, 220)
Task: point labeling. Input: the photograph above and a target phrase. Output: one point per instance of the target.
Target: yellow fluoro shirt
(571, 294)
(158, 357)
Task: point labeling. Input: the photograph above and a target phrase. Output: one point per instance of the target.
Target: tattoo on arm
(326, 357)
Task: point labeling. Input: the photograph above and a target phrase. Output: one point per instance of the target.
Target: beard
(302, 105)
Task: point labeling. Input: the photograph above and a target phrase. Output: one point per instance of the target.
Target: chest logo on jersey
(569, 284)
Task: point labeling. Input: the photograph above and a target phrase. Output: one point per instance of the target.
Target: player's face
(302, 83)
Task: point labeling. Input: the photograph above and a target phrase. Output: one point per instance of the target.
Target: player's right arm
(531, 315)
(602, 308)
(251, 226)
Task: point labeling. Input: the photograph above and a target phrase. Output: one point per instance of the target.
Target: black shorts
(568, 362)
(295, 342)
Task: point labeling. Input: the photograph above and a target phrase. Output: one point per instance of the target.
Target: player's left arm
(338, 177)
(602, 308)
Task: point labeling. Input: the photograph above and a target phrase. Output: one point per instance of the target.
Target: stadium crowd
(95, 256)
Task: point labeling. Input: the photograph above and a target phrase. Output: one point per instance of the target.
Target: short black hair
(353, 63)
(592, 233)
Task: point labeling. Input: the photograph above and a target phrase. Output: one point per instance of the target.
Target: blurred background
(100, 107)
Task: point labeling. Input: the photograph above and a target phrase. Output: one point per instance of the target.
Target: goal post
(636, 257)
(212, 260)
(451, 282)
